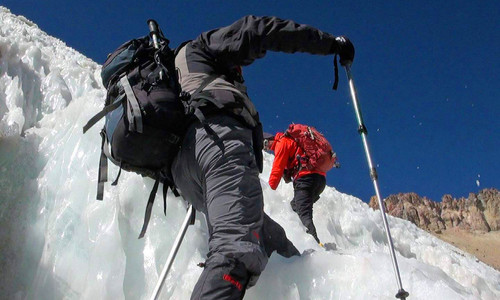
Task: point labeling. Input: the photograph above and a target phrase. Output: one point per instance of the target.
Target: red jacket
(285, 157)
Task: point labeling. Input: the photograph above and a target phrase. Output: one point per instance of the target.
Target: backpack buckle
(173, 139)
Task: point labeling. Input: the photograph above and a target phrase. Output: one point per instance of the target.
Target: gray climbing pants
(216, 172)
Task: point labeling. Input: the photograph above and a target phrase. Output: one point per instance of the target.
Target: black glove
(345, 49)
(287, 175)
(275, 239)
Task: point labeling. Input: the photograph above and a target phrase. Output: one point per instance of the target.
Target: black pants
(306, 192)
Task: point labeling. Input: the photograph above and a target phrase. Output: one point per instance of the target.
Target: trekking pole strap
(362, 129)
(336, 70)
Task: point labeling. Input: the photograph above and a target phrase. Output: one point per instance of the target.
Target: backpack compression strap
(102, 176)
(133, 110)
(103, 112)
(149, 207)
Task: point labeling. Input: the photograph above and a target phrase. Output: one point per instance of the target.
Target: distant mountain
(472, 224)
(477, 213)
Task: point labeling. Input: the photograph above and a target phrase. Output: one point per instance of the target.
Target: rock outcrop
(477, 213)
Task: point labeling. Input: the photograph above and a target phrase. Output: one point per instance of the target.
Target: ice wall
(58, 242)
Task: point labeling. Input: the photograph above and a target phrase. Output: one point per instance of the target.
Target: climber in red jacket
(307, 184)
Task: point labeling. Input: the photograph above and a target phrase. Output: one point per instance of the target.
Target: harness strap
(201, 100)
(203, 85)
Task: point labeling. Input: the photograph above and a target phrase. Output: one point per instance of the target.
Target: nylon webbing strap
(102, 176)
(336, 67)
(133, 110)
(208, 99)
(204, 84)
(174, 190)
(149, 207)
(117, 176)
(165, 189)
(103, 112)
(197, 112)
(105, 148)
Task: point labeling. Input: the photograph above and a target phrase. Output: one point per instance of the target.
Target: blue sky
(426, 73)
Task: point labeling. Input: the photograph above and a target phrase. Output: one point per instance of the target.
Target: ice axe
(402, 294)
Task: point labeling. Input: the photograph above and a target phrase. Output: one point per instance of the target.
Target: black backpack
(145, 115)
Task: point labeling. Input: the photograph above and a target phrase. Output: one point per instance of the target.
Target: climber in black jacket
(217, 167)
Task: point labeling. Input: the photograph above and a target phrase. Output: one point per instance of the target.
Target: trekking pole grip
(153, 31)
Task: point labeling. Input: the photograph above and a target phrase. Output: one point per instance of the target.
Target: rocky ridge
(478, 213)
(471, 224)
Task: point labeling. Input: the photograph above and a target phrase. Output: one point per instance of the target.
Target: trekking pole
(154, 31)
(402, 294)
(189, 219)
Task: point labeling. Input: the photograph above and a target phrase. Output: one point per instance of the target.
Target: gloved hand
(275, 239)
(287, 175)
(345, 49)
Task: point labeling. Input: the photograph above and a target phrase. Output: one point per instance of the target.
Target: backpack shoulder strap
(197, 95)
(180, 47)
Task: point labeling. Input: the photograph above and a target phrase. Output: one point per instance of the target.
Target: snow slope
(58, 242)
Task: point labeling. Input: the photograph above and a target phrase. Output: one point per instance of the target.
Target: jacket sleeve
(281, 156)
(250, 37)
